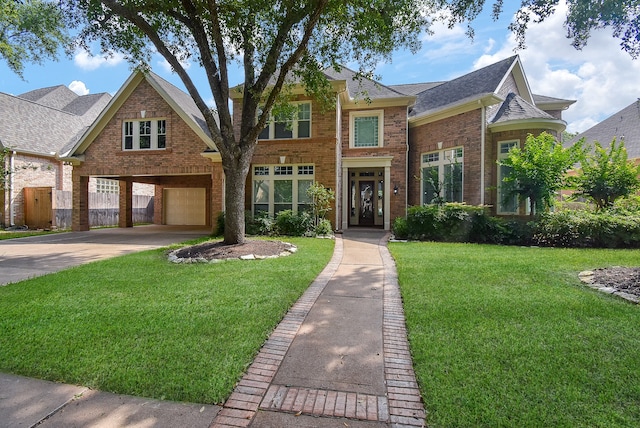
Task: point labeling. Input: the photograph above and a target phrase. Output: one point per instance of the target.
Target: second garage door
(185, 206)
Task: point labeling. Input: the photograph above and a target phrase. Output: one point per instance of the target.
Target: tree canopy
(284, 41)
(538, 170)
(30, 31)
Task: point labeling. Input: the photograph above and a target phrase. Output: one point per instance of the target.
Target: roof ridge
(40, 105)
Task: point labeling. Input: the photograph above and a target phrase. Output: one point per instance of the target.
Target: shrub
(324, 228)
(447, 222)
(604, 229)
(259, 224)
(220, 224)
(294, 224)
(400, 228)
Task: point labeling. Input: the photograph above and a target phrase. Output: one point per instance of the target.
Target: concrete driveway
(33, 256)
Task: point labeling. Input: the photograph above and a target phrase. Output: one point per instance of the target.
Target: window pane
(128, 135)
(303, 186)
(162, 134)
(283, 130)
(431, 157)
(429, 182)
(510, 204)
(366, 131)
(145, 134)
(283, 170)
(453, 182)
(304, 129)
(282, 191)
(261, 192)
(264, 135)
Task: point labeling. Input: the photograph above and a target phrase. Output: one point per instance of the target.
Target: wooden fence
(103, 209)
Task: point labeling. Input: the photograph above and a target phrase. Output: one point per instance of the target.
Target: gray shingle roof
(360, 88)
(414, 88)
(45, 120)
(34, 128)
(183, 100)
(465, 88)
(623, 125)
(515, 107)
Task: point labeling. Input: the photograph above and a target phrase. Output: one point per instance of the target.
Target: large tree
(273, 40)
(30, 31)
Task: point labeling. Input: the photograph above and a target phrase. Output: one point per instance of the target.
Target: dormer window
(144, 134)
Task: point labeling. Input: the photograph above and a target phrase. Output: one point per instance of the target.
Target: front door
(367, 201)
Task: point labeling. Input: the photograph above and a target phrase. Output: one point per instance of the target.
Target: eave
(514, 125)
(450, 110)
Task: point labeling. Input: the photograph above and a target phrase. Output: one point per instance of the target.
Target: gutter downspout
(11, 205)
(483, 127)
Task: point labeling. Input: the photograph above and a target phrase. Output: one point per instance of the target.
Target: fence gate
(37, 207)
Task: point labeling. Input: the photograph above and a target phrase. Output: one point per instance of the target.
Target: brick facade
(179, 165)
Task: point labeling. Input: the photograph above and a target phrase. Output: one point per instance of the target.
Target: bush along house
(381, 148)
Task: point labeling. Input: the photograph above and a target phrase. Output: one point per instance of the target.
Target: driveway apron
(33, 256)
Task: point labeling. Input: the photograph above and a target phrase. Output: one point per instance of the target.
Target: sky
(602, 78)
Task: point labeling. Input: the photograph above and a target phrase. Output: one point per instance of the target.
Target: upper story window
(296, 125)
(144, 134)
(366, 128)
(442, 176)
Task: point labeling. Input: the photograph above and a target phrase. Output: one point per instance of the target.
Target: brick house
(381, 148)
(35, 127)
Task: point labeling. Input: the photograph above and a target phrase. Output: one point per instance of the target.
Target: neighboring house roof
(34, 122)
(180, 102)
(623, 125)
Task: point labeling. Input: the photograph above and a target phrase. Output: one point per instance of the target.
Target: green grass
(6, 234)
(141, 325)
(508, 336)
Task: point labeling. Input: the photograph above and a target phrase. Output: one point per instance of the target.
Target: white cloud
(601, 77)
(89, 62)
(79, 87)
(164, 64)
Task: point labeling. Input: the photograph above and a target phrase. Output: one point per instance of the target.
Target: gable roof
(38, 122)
(178, 100)
(469, 87)
(623, 125)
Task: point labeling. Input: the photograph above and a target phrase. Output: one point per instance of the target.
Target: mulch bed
(625, 279)
(220, 250)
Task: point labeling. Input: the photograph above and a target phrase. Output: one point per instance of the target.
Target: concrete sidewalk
(339, 358)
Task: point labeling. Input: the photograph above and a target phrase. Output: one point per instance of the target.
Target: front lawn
(12, 234)
(141, 325)
(508, 336)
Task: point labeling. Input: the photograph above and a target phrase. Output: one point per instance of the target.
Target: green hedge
(453, 222)
(604, 229)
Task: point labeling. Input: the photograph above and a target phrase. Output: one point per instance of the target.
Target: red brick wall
(319, 150)
(179, 165)
(394, 144)
(463, 130)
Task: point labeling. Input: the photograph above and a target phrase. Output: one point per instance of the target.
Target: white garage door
(185, 206)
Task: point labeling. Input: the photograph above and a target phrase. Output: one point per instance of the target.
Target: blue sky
(601, 77)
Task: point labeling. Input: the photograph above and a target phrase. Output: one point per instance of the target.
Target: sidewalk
(339, 358)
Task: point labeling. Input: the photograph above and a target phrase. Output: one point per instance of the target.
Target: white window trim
(366, 113)
(295, 177)
(136, 134)
(271, 123)
(444, 158)
(502, 156)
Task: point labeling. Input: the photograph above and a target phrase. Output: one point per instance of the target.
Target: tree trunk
(234, 189)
